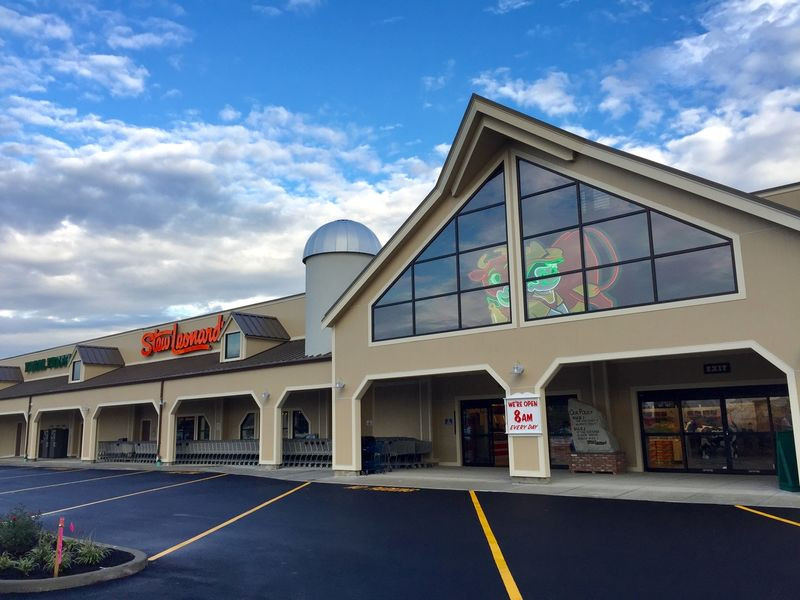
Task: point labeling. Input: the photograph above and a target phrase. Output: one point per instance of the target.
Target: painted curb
(133, 566)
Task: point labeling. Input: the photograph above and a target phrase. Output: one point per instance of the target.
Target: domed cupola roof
(343, 235)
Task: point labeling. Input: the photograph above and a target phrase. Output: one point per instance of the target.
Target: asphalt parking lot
(339, 541)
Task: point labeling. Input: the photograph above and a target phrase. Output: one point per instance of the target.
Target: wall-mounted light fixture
(264, 396)
(517, 369)
(339, 385)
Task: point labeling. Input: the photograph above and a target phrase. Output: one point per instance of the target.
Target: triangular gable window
(587, 249)
(459, 280)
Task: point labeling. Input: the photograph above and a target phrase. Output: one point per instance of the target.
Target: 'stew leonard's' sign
(179, 342)
(523, 414)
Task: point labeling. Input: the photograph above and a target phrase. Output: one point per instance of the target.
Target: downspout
(160, 417)
(28, 428)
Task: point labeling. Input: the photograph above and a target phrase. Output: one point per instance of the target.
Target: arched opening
(447, 419)
(701, 412)
(216, 431)
(305, 429)
(13, 435)
(127, 432)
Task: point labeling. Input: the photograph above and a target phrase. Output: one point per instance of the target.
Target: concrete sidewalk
(695, 488)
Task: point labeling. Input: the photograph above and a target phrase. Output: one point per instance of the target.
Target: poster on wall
(589, 429)
(523, 414)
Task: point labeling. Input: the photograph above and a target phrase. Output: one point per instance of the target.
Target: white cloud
(35, 26)
(549, 94)
(229, 113)
(432, 83)
(303, 4)
(119, 74)
(729, 94)
(505, 6)
(442, 149)
(267, 11)
(158, 33)
(134, 225)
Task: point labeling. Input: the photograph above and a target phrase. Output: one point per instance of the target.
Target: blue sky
(161, 159)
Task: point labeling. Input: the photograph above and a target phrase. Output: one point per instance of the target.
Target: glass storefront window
(549, 211)
(460, 280)
(713, 429)
(693, 274)
(534, 179)
(664, 452)
(660, 417)
(781, 414)
(571, 227)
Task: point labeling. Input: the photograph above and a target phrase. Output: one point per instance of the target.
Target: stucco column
(169, 422)
(89, 441)
(269, 433)
(346, 421)
(529, 455)
(33, 438)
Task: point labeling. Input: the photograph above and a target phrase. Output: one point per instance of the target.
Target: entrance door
(484, 442)
(728, 430)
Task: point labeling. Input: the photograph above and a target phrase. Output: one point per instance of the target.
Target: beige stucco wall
(765, 311)
(788, 196)
(115, 422)
(8, 434)
(316, 406)
(234, 411)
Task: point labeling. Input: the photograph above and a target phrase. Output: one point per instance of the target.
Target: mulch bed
(117, 557)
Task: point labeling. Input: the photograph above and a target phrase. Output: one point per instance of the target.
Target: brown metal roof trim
(260, 326)
(10, 374)
(286, 354)
(100, 355)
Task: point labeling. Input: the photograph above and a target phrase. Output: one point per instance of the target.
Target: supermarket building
(541, 263)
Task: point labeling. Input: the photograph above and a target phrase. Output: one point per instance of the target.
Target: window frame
(79, 364)
(241, 425)
(500, 169)
(225, 346)
(580, 225)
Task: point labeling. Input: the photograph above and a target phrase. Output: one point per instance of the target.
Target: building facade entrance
(717, 430)
(484, 442)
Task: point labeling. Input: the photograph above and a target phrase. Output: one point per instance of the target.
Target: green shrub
(89, 553)
(66, 560)
(19, 531)
(41, 554)
(25, 565)
(6, 561)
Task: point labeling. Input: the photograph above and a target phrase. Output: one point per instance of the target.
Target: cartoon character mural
(558, 287)
(492, 269)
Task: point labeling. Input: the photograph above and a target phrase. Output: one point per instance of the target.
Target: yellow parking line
(58, 472)
(769, 516)
(226, 523)
(497, 554)
(41, 487)
(163, 487)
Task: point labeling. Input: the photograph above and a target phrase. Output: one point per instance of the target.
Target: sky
(164, 159)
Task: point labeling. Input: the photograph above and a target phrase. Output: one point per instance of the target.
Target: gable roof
(487, 126)
(260, 326)
(100, 355)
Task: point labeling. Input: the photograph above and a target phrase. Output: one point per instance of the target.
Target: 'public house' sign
(179, 342)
